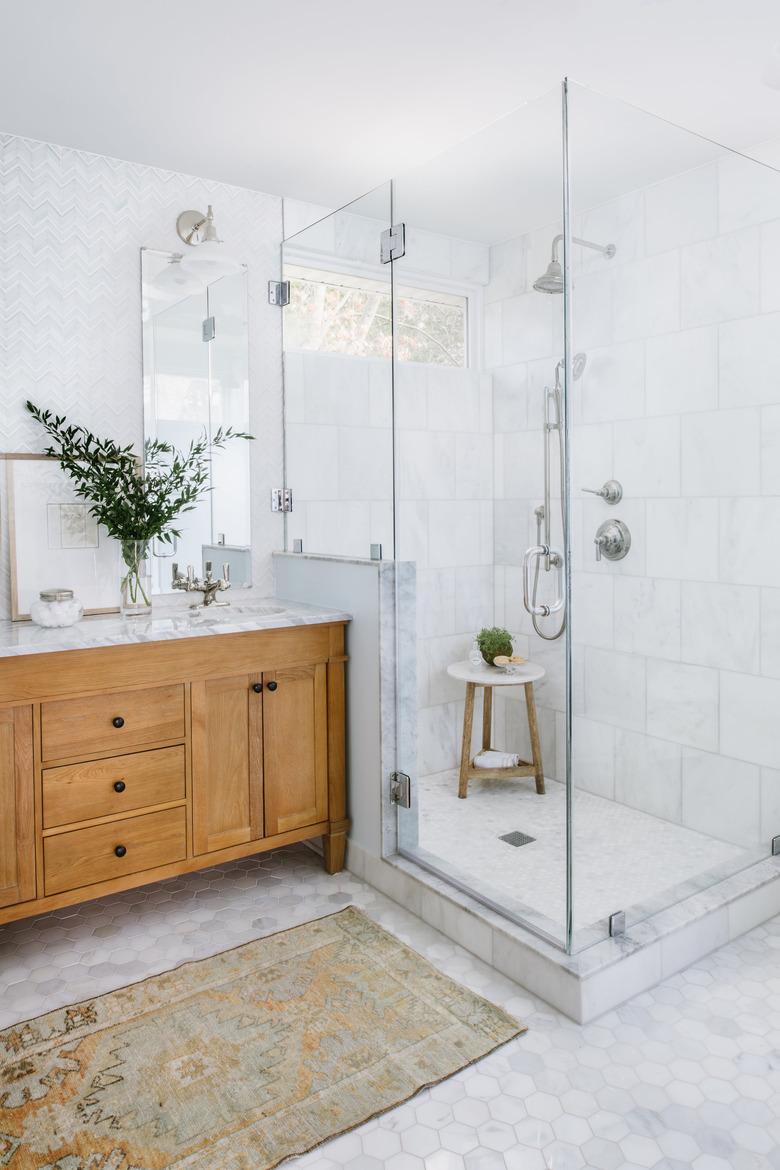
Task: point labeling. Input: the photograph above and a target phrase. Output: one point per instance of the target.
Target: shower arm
(607, 249)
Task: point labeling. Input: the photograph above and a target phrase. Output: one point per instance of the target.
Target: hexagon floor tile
(684, 1076)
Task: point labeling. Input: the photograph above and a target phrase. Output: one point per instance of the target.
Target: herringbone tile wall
(70, 303)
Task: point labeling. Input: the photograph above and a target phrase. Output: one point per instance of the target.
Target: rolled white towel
(491, 759)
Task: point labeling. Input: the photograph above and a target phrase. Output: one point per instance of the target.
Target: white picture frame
(54, 541)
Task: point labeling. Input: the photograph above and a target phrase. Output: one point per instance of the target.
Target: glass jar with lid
(56, 607)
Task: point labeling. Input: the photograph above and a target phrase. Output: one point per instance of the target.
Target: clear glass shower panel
(338, 349)
(478, 404)
(674, 405)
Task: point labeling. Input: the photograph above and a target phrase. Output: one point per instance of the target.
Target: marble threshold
(272, 613)
(584, 985)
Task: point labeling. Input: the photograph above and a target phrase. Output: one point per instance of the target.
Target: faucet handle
(611, 491)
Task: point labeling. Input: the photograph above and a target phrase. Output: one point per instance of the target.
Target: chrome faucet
(209, 586)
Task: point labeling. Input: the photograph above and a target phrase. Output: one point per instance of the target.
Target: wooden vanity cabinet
(17, 818)
(126, 764)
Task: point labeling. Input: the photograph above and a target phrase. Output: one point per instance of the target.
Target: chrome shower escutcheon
(612, 540)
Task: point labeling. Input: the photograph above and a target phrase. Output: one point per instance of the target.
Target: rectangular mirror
(196, 379)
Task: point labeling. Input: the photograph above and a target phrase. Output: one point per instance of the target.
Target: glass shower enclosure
(539, 372)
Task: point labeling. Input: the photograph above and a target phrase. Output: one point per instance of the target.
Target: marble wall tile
(770, 267)
(426, 463)
(648, 774)
(508, 270)
(365, 467)
(336, 390)
(593, 304)
(614, 688)
(749, 361)
(512, 534)
(593, 609)
(453, 399)
(721, 797)
(721, 453)
(647, 456)
(682, 539)
(510, 398)
(523, 464)
(682, 210)
(474, 467)
(411, 396)
(647, 297)
(720, 278)
(748, 193)
(770, 450)
(436, 602)
(592, 456)
(682, 371)
(647, 616)
(593, 756)
(720, 625)
(682, 703)
(312, 461)
(470, 261)
(460, 533)
(770, 632)
(526, 328)
(620, 222)
(340, 527)
(748, 554)
(613, 384)
(749, 707)
(770, 805)
(474, 597)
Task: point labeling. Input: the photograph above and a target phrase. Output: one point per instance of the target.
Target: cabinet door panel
(227, 763)
(295, 748)
(17, 818)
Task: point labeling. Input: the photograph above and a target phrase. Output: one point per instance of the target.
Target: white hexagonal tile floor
(684, 1076)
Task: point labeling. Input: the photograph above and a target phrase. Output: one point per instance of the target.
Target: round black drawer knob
(272, 686)
(257, 688)
(118, 721)
(119, 786)
(120, 850)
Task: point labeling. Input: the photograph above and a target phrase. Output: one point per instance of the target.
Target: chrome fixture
(193, 227)
(211, 260)
(611, 491)
(542, 553)
(209, 586)
(612, 540)
(551, 280)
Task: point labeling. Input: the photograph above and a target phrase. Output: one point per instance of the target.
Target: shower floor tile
(622, 857)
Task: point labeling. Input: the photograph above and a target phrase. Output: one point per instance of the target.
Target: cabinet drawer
(79, 792)
(75, 727)
(85, 856)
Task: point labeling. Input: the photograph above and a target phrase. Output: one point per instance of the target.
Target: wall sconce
(209, 260)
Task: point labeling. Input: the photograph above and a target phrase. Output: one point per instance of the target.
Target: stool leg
(465, 751)
(533, 728)
(487, 717)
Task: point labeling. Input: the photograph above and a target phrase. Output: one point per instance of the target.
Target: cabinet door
(17, 818)
(227, 762)
(295, 747)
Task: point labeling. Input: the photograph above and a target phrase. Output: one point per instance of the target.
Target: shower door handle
(530, 558)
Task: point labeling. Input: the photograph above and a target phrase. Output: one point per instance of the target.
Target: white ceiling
(322, 99)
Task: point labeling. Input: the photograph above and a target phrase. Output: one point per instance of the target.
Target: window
(336, 312)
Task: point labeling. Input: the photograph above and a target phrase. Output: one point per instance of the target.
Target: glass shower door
(479, 376)
(674, 407)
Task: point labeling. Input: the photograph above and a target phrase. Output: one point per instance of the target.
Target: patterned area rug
(241, 1060)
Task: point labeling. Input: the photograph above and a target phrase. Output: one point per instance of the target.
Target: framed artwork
(54, 541)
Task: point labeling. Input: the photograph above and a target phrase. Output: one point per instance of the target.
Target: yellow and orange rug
(241, 1060)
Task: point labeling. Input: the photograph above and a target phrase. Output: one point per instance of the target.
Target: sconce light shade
(209, 259)
(175, 281)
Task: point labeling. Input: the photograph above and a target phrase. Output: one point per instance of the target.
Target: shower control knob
(612, 540)
(611, 492)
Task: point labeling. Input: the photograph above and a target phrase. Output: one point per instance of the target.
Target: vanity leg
(334, 846)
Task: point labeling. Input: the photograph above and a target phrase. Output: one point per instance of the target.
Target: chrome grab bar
(530, 556)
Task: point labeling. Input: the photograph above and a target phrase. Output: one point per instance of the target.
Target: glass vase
(136, 584)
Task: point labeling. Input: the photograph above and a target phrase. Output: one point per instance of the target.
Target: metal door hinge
(281, 500)
(209, 329)
(279, 292)
(776, 846)
(401, 789)
(617, 923)
(393, 243)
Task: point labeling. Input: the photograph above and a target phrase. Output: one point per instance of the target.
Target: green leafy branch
(133, 501)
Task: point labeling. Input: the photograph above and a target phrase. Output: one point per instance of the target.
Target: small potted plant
(136, 502)
(494, 641)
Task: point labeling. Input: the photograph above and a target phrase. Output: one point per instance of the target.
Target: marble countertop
(19, 638)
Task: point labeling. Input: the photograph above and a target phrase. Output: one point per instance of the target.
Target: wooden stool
(489, 677)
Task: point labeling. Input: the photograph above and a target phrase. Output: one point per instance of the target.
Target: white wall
(73, 225)
(677, 679)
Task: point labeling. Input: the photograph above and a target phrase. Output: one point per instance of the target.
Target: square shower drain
(516, 838)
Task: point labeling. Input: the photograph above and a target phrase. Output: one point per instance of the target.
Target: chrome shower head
(551, 281)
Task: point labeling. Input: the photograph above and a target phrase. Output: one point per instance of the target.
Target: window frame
(406, 278)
